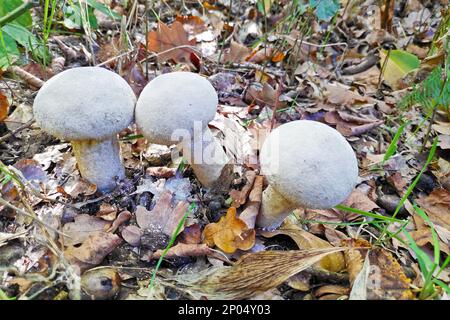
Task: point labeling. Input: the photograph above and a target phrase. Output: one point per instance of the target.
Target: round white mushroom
(175, 108)
(308, 164)
(88, 106)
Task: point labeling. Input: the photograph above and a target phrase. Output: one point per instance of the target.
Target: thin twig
(23, 212)
(15, 131)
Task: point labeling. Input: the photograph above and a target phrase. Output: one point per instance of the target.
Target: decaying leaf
(161, 172)
(333, 262)
(263, 95)
(349, 125)
(83, 227)
(236, 53)
(253, 274)
(191, 234)
(251, 210)
(341, 95)
(230, 233)
(354, 258)
(185, 250)
(387, 280)
(240, 196)
(437, 207)
(92, 251)
(173, 39)
(132, 235)
(4, 107)
(165, 216)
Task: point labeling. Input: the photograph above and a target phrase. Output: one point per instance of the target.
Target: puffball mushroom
(88, 106)
(307, 164)
(178, 106)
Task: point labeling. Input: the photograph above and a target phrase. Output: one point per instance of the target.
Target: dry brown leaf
(31, 171)
(252, 208)
(230, 233)
(437, 207)
(340, 95)
(167, 38)
(161, 172)
(76, 185)
(236, 53)
(332, 289)
(121, 218)
(133, 73)
(333, 262)
(252, 274)
(263, 95)
(132, 235)
(240, 196)
(107, 212)
(165, 216)
(354, 258)
(191, 234)
(92, 251)
(83, 227)
(4, 107)
(387, 278)
(185, 250)
(397, 181)
(349, 125)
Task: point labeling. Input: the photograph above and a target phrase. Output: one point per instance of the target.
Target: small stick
(27, 77)
(22, 127)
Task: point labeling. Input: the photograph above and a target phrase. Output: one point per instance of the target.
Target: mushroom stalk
(207, 158)
(274, 209)
(99, 162)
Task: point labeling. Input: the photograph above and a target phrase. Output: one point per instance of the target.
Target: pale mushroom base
(99, 162)
(209, 161)
(274, 209)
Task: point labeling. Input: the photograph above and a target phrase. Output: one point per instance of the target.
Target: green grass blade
(169, 245)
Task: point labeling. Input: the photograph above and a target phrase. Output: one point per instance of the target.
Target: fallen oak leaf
(263, 95)
(84, 226)
(349, 125)
(164, 217)
(230, 233)
(236, 53)
(341, 95)
(92, 251)
(166, 38)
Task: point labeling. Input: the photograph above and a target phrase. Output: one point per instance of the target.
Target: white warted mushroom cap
(310, 164)
(88, 103)
(174, 101)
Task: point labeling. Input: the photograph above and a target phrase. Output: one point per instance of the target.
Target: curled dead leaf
(230, 233)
